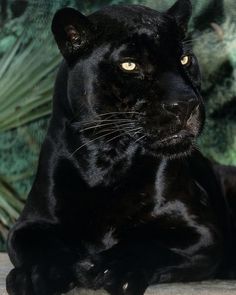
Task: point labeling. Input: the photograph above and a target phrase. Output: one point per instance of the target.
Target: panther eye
(186, 60)
(128, 66)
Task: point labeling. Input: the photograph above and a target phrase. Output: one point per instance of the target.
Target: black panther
(123, 198)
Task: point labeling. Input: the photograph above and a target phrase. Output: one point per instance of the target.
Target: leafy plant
(10, 206)
(26, 82)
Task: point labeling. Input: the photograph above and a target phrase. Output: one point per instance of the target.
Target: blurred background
(29, 60)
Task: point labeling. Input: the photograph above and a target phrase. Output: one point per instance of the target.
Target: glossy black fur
(118, 202)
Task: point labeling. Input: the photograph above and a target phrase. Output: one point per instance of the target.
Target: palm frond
(26, 82)
(10, 207)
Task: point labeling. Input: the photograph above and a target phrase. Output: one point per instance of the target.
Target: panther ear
(181, 11)
(72, 31)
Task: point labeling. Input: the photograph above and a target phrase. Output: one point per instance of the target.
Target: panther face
(133, 81)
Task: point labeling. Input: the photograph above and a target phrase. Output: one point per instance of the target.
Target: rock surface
(197, 288)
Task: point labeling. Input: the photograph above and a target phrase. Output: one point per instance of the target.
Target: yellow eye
(185, 60)
(128, 66)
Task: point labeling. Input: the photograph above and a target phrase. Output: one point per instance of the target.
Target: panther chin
(174, 146)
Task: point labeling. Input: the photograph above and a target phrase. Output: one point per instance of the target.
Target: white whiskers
(107, 124)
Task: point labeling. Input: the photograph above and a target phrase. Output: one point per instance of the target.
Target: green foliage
(216, 51)
(26, 81)
(10, 206)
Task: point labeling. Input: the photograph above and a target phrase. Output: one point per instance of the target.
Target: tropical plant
(26, 82)
(10, 206)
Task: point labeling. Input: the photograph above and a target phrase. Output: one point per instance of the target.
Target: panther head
(133, 80)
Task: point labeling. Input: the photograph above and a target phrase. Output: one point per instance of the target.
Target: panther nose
(182, 108)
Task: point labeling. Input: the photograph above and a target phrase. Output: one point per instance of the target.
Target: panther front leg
(44, 261)
(129, 268)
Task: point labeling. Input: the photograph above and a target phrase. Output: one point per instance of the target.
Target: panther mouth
(176, 137)
(174, 145)
(181, 136)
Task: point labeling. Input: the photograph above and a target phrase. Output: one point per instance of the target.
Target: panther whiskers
(125, 125)
(140, 138)
(115, 122)
(135, 129)
(87, 143)
(125, 128)
(105, 120)
(128, 130)
(122, 113)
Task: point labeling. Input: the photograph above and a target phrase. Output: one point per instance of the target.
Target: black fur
(122, 199)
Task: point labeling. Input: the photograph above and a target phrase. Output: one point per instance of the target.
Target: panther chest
(103, 215)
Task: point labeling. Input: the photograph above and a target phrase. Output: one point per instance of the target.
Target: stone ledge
(197, 288)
